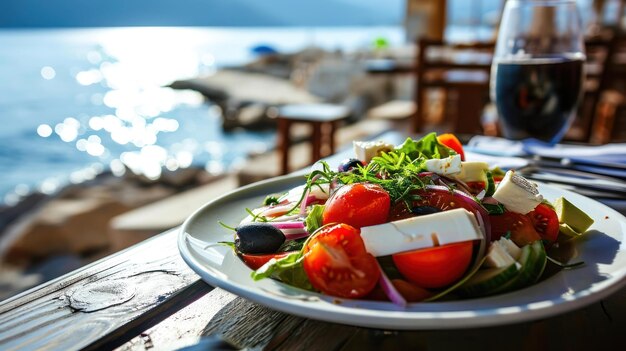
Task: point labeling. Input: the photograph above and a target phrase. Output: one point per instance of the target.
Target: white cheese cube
(366, 150)
(473, 171)
(414, 233)
(510, 247)
(445, 166)
(497, 257)
(517, 193)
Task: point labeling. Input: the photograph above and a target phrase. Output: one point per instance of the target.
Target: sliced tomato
(256, 261)
(359, 205)
(518, 225)
(476, 187)
(451, 141)
(337, 264)
(435, 267)
(545, 221)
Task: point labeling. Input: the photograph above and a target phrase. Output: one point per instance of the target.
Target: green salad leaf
(288, 269)
(314, 219)
(427, 147)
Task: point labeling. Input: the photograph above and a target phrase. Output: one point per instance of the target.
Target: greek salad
(414, 222)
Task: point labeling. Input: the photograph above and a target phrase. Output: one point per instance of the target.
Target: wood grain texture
(220, 315)
(105, 303)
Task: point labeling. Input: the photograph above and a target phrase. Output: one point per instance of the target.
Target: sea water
(76, 102)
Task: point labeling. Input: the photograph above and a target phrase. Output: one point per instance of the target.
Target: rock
(76, 226)
(8, 214)
(134, 226)
(181, 178)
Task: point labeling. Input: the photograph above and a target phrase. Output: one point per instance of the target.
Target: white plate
(602, 250)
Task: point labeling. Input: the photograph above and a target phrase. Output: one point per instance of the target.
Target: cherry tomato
(545, 221)
(520, 226)
(435, 267)
(337, 264)
(359, 205)
(451, 141)
(256, 261)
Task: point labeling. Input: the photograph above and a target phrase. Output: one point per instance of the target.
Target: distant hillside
(109, 13)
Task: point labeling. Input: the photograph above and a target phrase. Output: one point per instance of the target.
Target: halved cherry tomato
(256, 261)
(451, 141)
(359, 205)
(337, 264)
(435, 267)
(520, 226)
(545, 221)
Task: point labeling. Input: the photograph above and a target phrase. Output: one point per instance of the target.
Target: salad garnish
(408, 223)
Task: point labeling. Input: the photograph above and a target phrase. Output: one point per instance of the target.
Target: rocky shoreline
(44, 236)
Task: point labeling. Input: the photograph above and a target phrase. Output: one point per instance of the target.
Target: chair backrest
(458, 69)
(599, 51)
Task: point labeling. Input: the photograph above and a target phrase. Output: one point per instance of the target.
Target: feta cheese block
(473, 171)
(445, 166)
(414, 233)
(498, 257)
(517, 193)
(366, 150)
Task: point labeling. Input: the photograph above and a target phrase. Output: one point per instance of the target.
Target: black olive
(258, 238)
(424, 210)
(349, 164)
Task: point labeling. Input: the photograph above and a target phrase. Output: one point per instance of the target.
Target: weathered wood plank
(105, 303)
(244, 324)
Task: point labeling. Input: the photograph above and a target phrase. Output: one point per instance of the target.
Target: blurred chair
(599, 51)
(323, 120)
(461, 73)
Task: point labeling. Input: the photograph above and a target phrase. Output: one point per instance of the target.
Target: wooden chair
(459, 70)
(599, 50)
(323, 119)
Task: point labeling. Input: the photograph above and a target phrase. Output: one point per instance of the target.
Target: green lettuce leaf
(314, 219)
(428, 147)
(288, 269)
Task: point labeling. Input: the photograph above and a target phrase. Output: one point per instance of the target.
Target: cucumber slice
(488, 281)
(525, 274)
(541, 258)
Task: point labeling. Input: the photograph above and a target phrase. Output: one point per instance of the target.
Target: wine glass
(538, 68)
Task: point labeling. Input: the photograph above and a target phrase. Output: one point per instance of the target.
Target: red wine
(537, 98)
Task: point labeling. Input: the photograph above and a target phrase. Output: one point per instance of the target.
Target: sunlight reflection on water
(105, 96)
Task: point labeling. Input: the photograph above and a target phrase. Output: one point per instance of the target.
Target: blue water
(75, 102)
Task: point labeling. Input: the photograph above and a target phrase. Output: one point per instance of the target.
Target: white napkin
(508, 162)
(503, 147)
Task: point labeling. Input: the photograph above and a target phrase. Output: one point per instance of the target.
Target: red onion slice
(294, 234)
(390, 290)
(288, 225)
(274, 211)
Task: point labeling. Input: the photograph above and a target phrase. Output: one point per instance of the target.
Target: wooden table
(146, 297)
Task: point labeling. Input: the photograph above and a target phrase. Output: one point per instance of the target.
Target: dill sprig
(395, 172)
